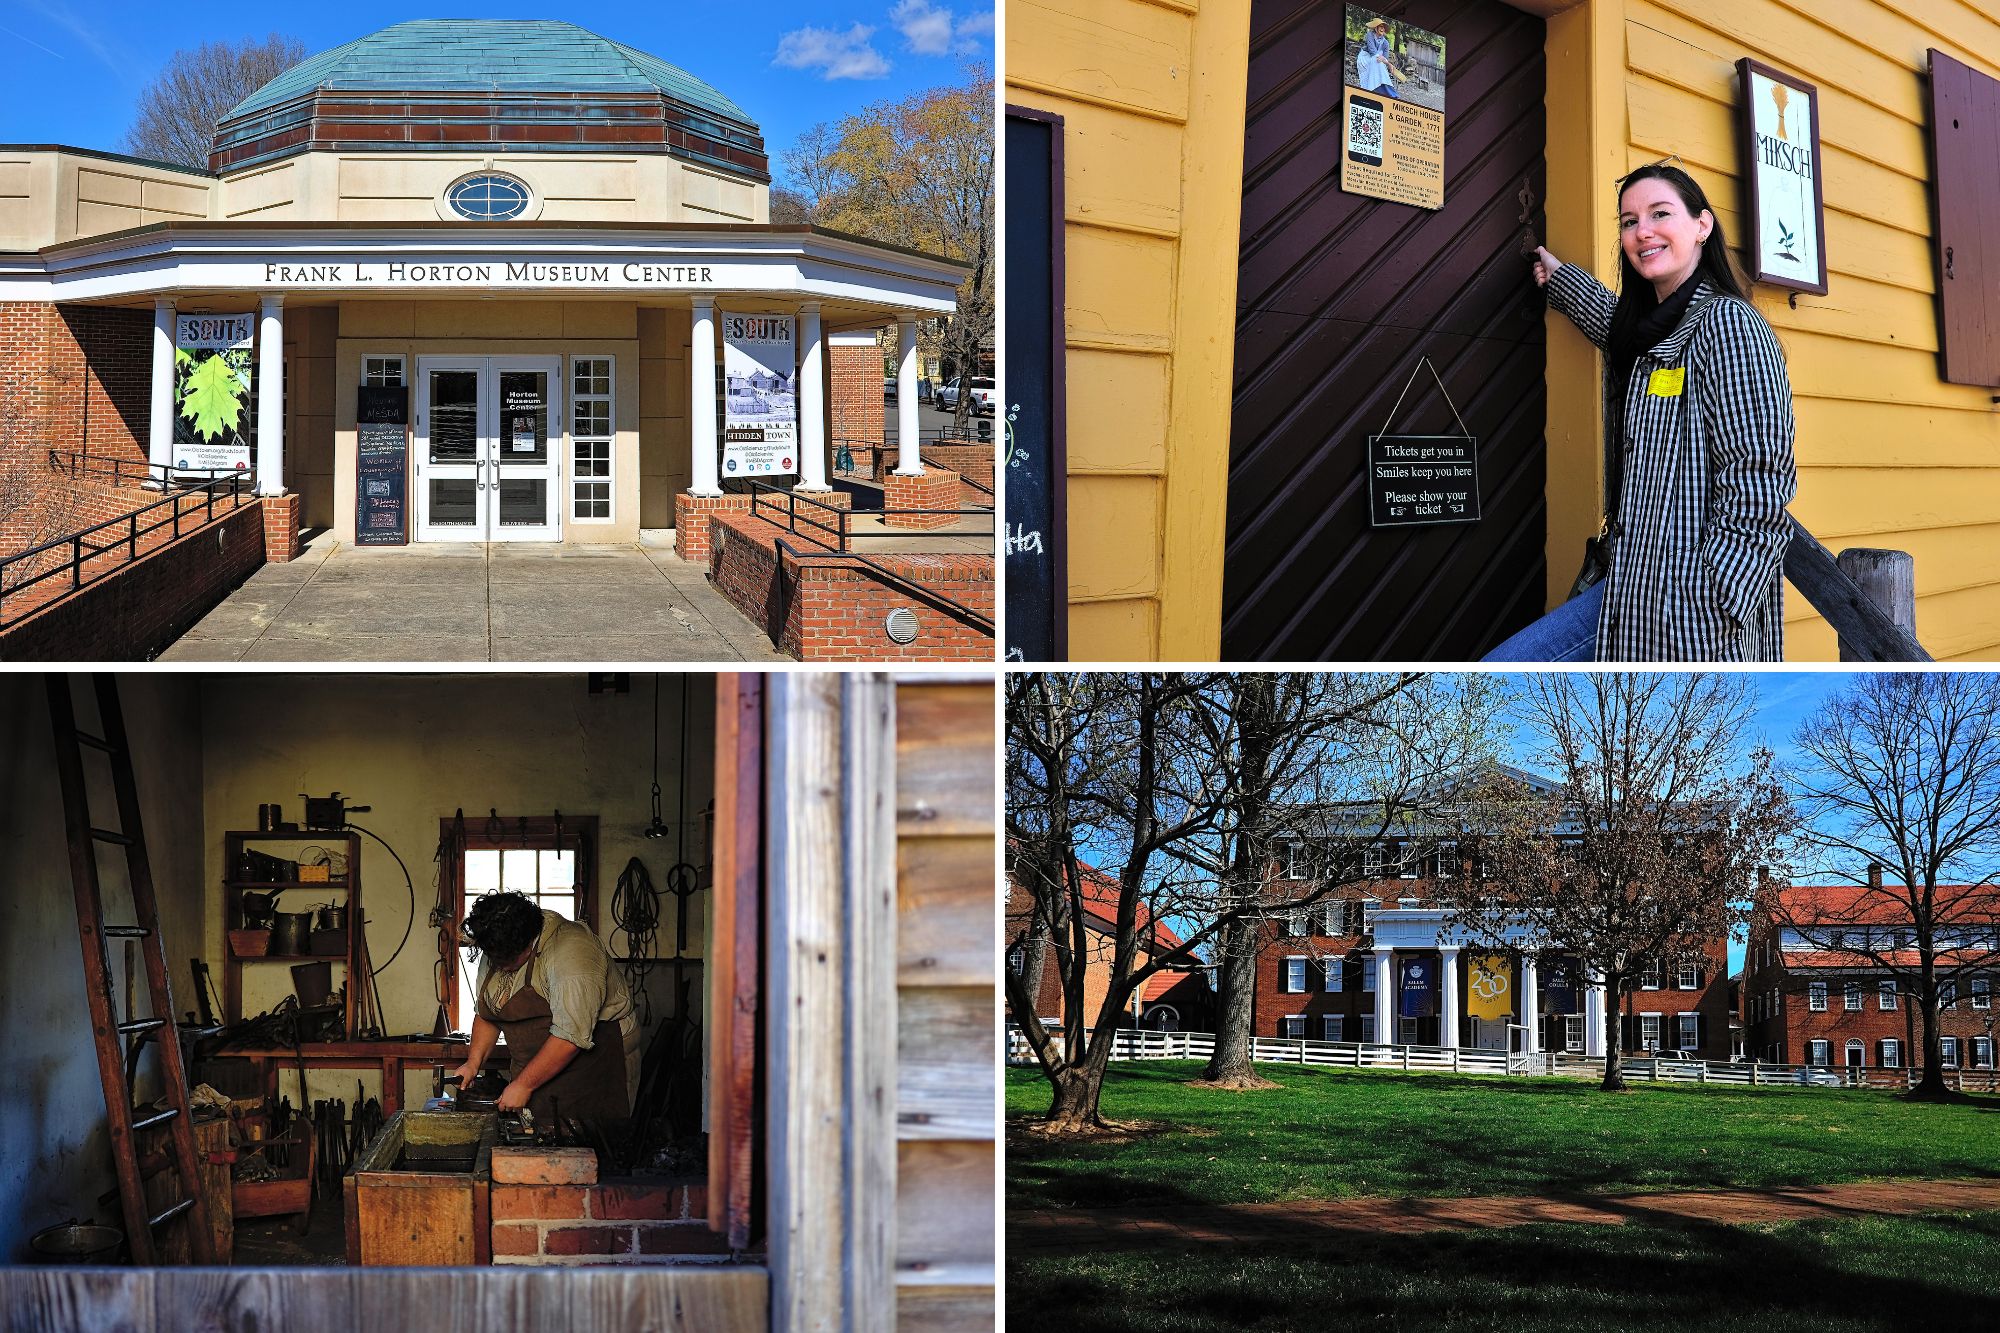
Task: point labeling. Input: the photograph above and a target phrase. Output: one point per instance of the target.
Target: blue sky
(76, 68)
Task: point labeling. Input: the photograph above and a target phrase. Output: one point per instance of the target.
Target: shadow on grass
(1849, 1274)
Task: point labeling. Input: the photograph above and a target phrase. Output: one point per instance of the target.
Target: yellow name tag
(1667, 383)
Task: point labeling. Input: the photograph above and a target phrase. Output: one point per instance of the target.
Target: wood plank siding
(1890, 455)
(947, 952)
(1150, 92)
(1339, 297)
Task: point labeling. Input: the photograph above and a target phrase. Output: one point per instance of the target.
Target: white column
(271, 397)
(1385, 994)
(1531, 1006)
(160, 425)
(1448, 996)
(1593, 1015)
(909, 462)
(705, 461)
(812, 401)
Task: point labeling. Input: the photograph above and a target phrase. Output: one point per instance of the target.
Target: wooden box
(409, 1213)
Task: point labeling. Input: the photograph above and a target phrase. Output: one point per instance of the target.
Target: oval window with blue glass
(488, 198)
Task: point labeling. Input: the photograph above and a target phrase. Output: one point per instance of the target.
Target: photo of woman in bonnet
(1374, 69)
(1698, 416)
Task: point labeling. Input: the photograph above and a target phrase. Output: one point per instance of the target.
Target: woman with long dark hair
(1698, 412)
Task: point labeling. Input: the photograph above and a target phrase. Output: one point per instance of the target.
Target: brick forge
(549, 1208)
(827, 608)
(935, 492)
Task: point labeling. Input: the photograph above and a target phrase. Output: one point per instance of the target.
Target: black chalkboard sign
(381, 489)
(1421, 479)
(1036, 457)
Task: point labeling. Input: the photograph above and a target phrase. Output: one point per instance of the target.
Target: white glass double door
(489, 448)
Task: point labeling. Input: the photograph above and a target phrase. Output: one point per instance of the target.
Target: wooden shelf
(255, 884)
(233, 843)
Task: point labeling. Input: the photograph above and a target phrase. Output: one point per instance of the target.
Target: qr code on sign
(1364, 129)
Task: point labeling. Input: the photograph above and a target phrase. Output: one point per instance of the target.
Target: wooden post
(832, 972)
(1889, 579)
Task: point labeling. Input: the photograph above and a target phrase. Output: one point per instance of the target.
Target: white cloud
(932, 30)
(837, 55)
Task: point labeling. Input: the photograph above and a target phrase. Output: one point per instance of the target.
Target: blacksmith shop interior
(316, 846)
(472, 971)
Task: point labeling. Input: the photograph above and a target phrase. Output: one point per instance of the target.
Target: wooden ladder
(106, 1031)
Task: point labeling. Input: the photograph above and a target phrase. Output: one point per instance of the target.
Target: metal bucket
(313, 982)
(74, 1242)
(330, 917)
(291, 933)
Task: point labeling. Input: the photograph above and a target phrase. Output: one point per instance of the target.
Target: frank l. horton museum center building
(458, 281)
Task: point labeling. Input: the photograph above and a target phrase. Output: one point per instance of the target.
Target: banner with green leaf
(212, 379)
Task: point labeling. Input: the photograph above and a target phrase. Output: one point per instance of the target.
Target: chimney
(1874, 874)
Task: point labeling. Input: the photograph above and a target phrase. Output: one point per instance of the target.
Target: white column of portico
(1448, 996)
(160, 424)
(909, 462)
(1385, 994)
(271, 397)
(1531, 1006)
(1593, 1015)
(812, 401)
(706, 471)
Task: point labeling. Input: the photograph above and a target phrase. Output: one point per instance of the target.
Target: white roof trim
(584, 261)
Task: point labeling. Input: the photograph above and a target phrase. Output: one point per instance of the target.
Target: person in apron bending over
(549, 987)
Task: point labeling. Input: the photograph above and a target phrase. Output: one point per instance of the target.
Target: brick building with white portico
(531, 232)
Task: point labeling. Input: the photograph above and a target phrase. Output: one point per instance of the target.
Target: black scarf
(1647, 332)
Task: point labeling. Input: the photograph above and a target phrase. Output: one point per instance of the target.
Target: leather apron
(591, 1088)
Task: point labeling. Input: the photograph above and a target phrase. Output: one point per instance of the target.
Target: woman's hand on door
(1545, 265)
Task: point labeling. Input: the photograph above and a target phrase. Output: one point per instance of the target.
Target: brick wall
(856, 398)
(1788, 1021)
(830, 610)
(144, 606)
(549, 1208)
(76, 377)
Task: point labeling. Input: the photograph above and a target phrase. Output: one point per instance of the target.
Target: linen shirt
(573, 972)
(1704, 428)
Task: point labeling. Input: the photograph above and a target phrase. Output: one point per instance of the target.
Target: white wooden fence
(1139, 1044)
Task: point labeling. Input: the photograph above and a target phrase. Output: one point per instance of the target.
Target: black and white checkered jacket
(1698, 543)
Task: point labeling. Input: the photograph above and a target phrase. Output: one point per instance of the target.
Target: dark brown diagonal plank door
(1338, 297)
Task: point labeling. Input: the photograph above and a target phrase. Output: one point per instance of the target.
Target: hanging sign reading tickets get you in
(760, 418)
(1392, 111)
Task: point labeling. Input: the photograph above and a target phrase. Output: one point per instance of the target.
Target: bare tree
(1902, 771)
(1648, 845)
(179, 110)
(1150, 777)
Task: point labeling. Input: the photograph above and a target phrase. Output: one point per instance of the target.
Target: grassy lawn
(1336, 1133)
(1824, 1276)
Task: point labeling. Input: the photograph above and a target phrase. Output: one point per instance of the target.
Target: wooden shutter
(1965, 188)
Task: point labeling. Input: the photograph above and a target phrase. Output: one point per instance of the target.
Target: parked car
(926, 390)
(980, 390)
(1818, 1076)
(888, 386)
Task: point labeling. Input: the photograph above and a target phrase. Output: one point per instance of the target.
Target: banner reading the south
(760, 415)
(212, 391)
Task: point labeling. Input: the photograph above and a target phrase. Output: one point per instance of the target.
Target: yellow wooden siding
(1149, 122)
(1889, 454)
(947, 968)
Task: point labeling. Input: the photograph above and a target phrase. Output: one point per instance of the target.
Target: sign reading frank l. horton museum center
(504, 273)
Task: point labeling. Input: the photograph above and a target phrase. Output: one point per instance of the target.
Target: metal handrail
(235, 485)
(922, 592)
(842, 527)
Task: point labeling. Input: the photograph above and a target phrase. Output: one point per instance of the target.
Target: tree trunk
(1074, 1109)
(1614, 1054)
(1230, 1065)
(1931, 1087)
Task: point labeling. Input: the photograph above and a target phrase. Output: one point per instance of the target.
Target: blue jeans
(1566, 634)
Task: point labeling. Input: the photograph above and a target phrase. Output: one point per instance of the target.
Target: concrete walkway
(1075, 1230)
(477, 603)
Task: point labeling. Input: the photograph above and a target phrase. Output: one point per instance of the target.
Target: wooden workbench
(391, 1057)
